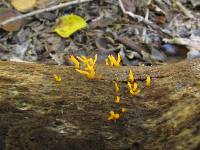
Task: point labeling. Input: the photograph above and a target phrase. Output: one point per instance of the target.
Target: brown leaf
(161, 20)
(23, 5)
(45, 3)
(129, 5)
(12, 26)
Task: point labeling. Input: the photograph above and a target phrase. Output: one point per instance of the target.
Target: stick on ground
(43, 10)
(143, 20)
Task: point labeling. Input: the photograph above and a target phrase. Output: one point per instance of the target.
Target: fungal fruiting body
(123, 110)
(75, 61)
(133, 88)
(57, 78)
(148, 81)
(113, 116)
(111, 61)
(131, 76)
(116, 86)
(88, 66)
(117, 99)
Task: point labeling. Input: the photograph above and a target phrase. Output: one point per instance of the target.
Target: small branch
(142, 19)
(145, 30)
(134, 16)
(43, 10)
(184, 10)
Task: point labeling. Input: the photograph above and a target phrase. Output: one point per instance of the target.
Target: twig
(184, 10)
(44, 10)
(145, 30)
(142, 19)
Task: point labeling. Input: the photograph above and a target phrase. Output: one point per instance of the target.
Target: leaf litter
(101, 27)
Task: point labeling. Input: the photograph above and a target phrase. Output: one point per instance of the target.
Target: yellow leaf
(23, 5)
(69, 24)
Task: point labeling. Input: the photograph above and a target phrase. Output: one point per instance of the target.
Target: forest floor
(148, 37)
(159, 39)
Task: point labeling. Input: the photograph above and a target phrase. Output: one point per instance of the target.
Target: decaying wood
(38, 113)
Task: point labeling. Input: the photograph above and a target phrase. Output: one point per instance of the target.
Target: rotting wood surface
(38, 113)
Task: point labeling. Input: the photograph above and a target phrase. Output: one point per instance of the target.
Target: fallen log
(38, 113)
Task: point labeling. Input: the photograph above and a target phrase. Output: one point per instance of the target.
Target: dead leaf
(104, 44)
(101, 23)
(160, 19)
(69, 24)
(192, 44)
(129, 5)
(12, 26)
(45, 3)
(23, 5)
(195, 3)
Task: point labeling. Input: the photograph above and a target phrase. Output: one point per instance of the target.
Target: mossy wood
(38, 113)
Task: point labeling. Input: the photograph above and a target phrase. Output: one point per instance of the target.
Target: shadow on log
(37, 113)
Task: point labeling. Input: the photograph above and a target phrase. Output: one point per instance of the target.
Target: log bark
(38, 113)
